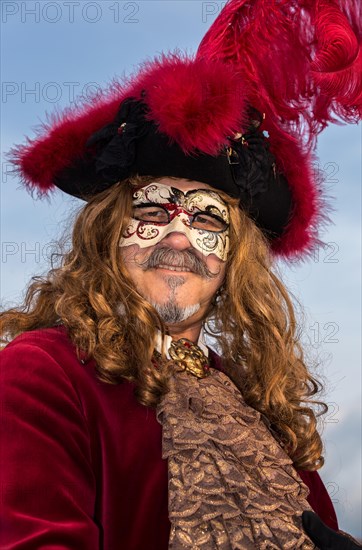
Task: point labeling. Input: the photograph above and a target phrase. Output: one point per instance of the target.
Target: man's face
(176, 245)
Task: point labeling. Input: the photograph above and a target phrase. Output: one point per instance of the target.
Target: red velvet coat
(81, 464)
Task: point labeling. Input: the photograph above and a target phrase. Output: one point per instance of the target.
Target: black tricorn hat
(242, 115)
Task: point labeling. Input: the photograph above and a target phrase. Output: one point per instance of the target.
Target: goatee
(172, 313)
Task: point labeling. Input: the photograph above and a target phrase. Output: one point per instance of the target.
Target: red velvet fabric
(81, 464)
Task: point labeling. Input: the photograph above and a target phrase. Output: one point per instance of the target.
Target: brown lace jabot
(231, 485)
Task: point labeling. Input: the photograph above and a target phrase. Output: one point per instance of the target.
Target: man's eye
(208, 222)
(151, 214)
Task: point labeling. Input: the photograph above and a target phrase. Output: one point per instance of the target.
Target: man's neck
(191, 333)
(163, 345)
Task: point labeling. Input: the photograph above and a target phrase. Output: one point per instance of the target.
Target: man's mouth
(172, 267)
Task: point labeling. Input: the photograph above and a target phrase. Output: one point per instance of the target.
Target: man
(186, 205)
(94, 474)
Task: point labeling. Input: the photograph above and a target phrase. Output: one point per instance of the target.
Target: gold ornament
(189, 357)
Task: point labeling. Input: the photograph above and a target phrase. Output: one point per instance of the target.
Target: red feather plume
(302, 59)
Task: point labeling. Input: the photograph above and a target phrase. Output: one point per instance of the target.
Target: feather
(302, 59)
(196, 103)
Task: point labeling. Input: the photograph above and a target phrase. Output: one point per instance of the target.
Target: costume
(242, 116)
(95, 477)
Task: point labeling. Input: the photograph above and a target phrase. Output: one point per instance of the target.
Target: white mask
(200, 214)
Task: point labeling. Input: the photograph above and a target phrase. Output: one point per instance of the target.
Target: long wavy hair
(252, 319)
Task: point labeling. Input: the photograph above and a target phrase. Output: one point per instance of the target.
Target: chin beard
(172, 313)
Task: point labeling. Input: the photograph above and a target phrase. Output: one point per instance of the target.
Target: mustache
(177, 258)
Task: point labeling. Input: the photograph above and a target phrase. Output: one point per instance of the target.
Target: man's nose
(176, 240)
(177, 233)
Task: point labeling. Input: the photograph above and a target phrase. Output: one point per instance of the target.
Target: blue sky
(53, 51)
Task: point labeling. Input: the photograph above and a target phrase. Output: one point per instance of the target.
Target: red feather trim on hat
(195, 102)
(311, 203)
(61, 140)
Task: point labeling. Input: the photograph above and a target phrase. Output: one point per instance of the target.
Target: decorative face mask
(200, 214)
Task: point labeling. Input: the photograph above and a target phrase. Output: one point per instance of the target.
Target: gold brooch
(189, 357)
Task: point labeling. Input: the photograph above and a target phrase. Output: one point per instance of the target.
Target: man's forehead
(159, 192)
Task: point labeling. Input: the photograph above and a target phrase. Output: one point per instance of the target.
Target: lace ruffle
(231, 485)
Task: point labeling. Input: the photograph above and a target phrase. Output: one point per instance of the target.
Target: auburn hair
(252, 320)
